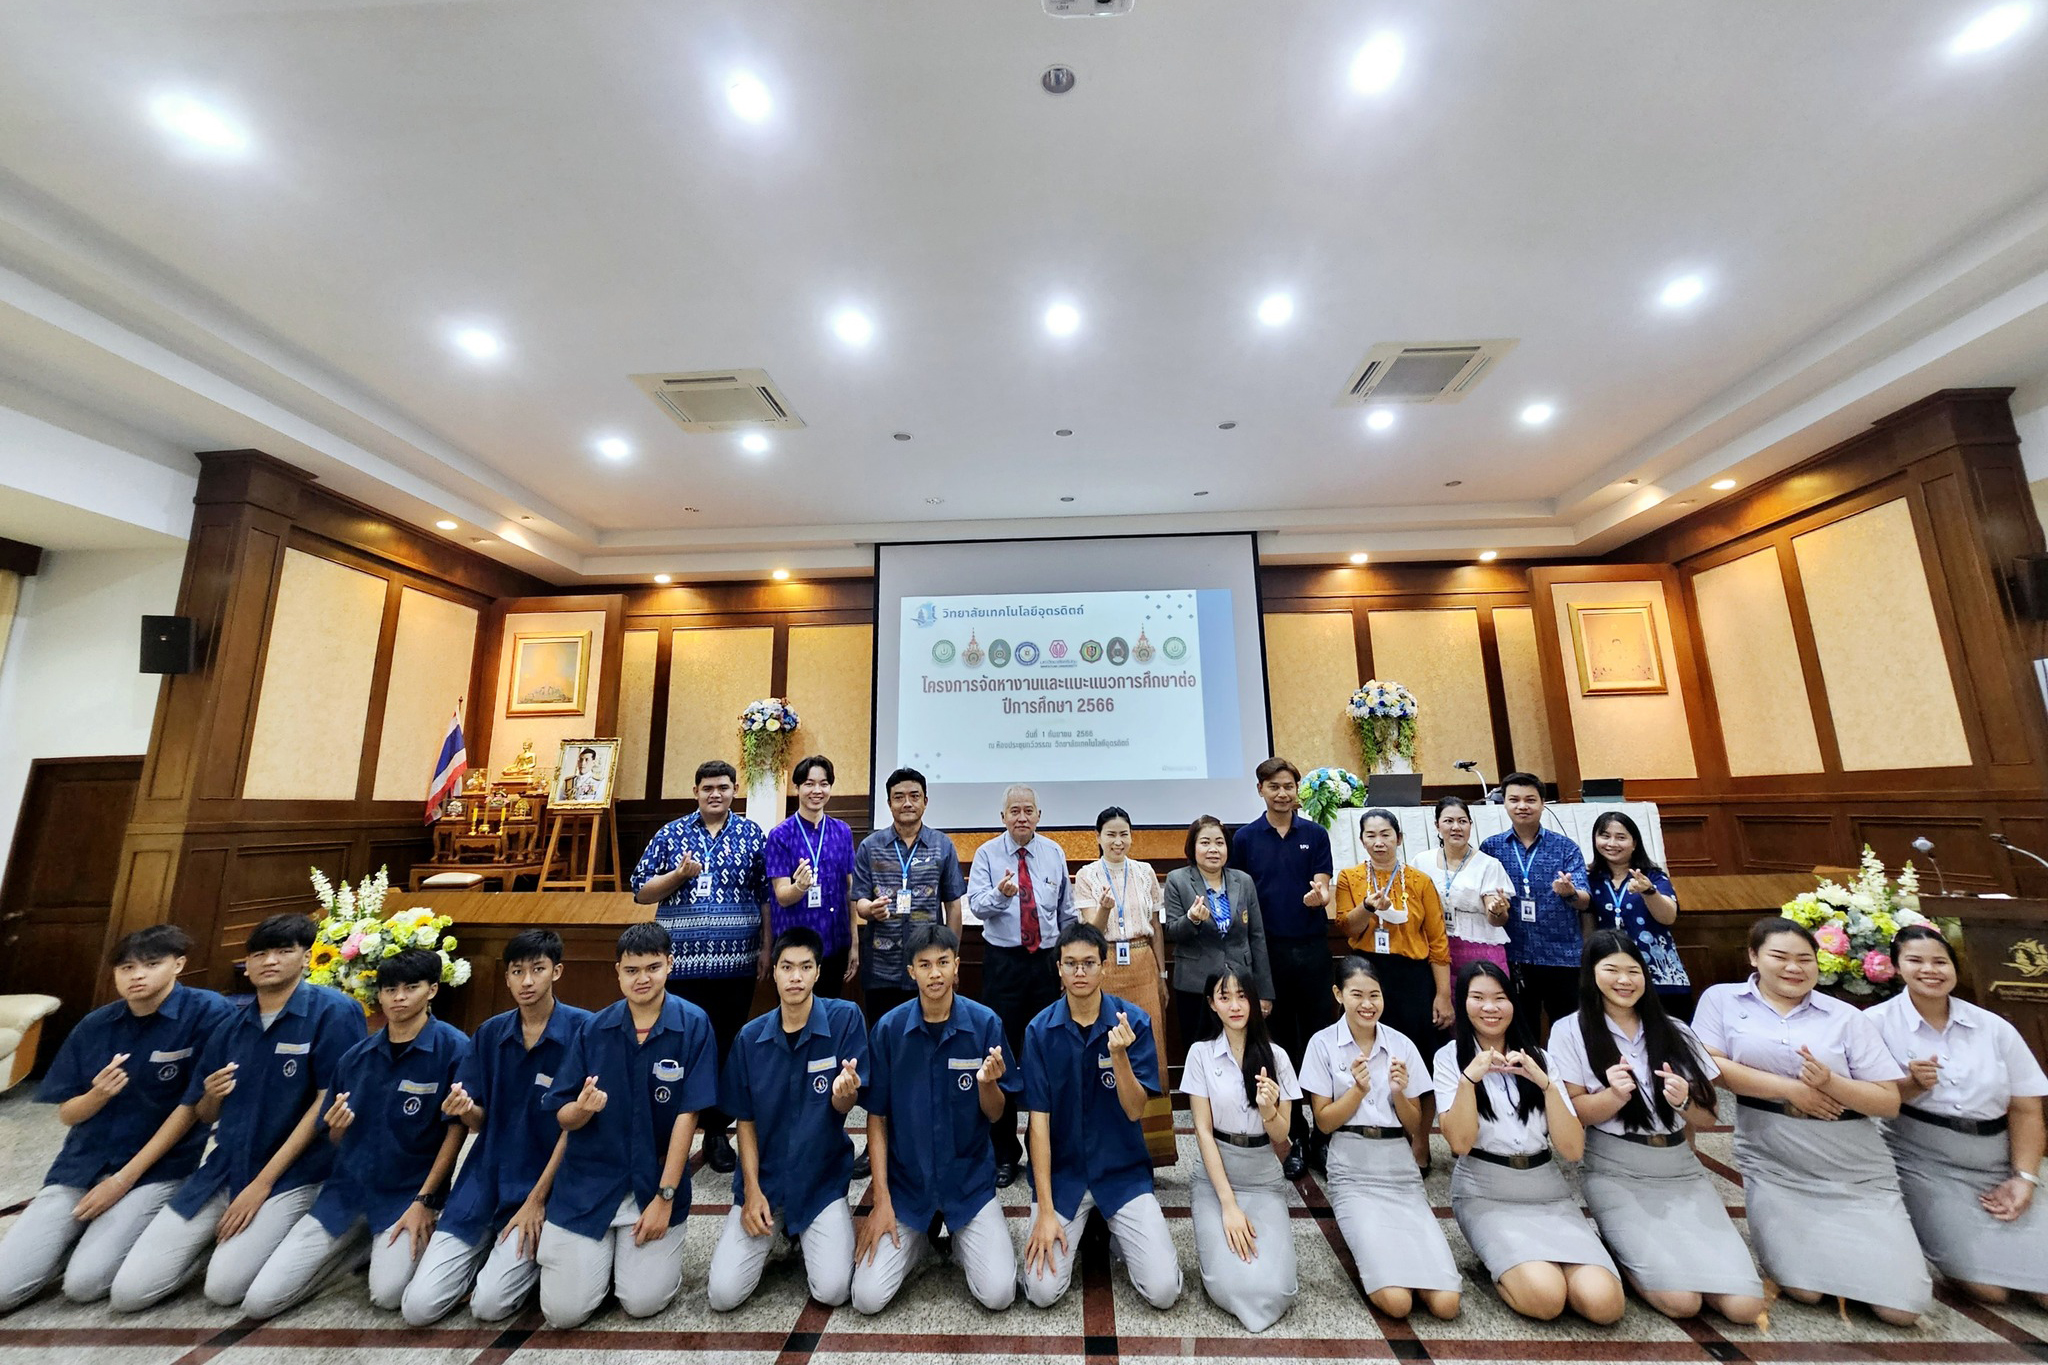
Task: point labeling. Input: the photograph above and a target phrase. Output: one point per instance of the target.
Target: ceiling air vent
(1423, 372)
(720, 400)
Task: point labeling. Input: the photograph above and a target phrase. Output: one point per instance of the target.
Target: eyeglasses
(1072, 968)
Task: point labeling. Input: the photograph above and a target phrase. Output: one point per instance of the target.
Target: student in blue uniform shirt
(1089, 1064)
(500, 1200)
(791, 1078)
(396, 1149)
(263, 1075)
(938, 1075)
(628, 1094)
(117, 1082)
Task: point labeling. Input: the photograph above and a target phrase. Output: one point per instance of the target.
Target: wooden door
(59, 889)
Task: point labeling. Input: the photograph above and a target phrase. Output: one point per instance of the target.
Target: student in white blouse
(1474, 888)
(1968, 1140)
(1242, 1092)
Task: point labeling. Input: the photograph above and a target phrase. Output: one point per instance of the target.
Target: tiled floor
(934, 1319)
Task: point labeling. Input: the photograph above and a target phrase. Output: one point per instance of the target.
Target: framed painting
(1617, 646)
(584, 775)
(550, 675)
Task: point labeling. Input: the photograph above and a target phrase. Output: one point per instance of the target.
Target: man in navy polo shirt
(1288, 859)
(396, 1149)
(500, 1201)
(1089, 1065)
(117, 1082)
(264, 1075)
(1547, 918)
(937, 1082)
(628, 1094)
(793, 1074)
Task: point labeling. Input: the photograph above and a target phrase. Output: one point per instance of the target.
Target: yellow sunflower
(324, 955)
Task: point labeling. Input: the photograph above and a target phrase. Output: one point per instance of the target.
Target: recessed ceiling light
(1360, 558)
(1452, 483)
(1682, 291)
(1068, 498)
(1226, 426)
(754, 443)
(854, 327)
(780, 575)
(1062, 319)
(1275, 309)
(1722, 485)
(613, 448)
(1488, 556)
(1377, 64)
(446, 524)
(1989, 29)
(902, 435)
(1536, 414)
(935, 501)
(748, 97)
(1380, 419)
(200, 124)
(664, 578)
(478, 343)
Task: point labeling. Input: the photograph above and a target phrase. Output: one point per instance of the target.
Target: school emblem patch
(967, 1080)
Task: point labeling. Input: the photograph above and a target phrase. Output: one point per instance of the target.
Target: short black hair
(906, 775)
(1080, 931)
(715, 767)
(528, 944)
(283, 931)
(931, 934)
(1522, 780)
(1770, 926)
(1273, 767)
(407, 966)
(804, 765)
(797, 936)
(587, 753)
(153, 944)
(638, 940)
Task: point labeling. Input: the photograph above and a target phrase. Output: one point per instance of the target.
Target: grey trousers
(982, 1248)
(493, 1273)
(575, 1271)
(738, 1259)
(1137, 1233)
(310, 1256)
(36, 1247)
(172, 1250)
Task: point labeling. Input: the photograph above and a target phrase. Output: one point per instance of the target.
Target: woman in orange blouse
(1391, 913)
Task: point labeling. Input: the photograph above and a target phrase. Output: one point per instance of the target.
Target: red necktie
(1027, 903)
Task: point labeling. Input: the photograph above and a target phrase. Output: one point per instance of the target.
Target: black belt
(1521, 1161)
(1244, 1139)
(1974, 1127)
(1648, 1139)
(1370, 1130)
(1780, 1107)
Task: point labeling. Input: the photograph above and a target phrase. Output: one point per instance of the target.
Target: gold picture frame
(587, 775)
(550, 675)
(1618, 649)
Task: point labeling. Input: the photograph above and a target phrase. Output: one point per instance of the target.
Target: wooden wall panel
(1749, 649)
(307, 743)
(636, 711)
(1521, 674)
(546, 732)
(430, 670)
(1435, 654)
(713, 675)
(1311, 671)
(1620, 735)
(830, 682)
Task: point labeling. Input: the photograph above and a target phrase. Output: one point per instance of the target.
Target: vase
(764, 798)
(1394, 761)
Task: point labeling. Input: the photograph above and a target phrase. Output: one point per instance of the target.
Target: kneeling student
(791, 1077)
(1089, 1063)
(117, 1082)
(500, 1200)
(937, 1084)
(395, 1149)
(265, 1075)
(627, 1093)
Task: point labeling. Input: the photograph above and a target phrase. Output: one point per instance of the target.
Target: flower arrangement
(355, 935)
(765, 731)
(1854, 925)
(1383, 713)
(1325, 791)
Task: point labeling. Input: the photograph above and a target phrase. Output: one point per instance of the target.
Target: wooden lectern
(2005, 958)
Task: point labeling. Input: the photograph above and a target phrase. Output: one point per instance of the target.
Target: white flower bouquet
(1325, 791)
(1383, 714)
(355, 936)
(766, 728)
(1854, 925)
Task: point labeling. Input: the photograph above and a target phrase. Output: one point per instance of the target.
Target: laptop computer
(1393, 789)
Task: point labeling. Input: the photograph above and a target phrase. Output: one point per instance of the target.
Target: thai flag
(448, 768)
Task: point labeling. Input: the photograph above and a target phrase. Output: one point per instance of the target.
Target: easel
(577, 867)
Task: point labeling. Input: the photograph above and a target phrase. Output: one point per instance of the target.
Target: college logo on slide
(1174, 648)
(1119, 652)
(942, 652)
(1057, 649)
(971, 655)
(1027, 654)
(1091, 651)
(927, 615)
(999, 653)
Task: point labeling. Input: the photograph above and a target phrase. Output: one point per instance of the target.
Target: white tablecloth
(1574, 821)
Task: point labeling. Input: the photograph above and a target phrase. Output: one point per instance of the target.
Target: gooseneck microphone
(1924, 846)
(2010, 847)
(1471, 765)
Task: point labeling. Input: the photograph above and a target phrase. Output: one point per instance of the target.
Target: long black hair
(1528, 1099)
(1638, 856)
(1258, 1041)
(1664, 1041)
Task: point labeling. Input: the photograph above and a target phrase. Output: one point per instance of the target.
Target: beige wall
(1435, 654)
(1752, 656)
(1630, 735)
(307, 742)
(831, 677)
(546, 732)
(1311, 671)
(712, 675)
(430, 666)
(1521, 679)
(636, 712)
(1881, 652)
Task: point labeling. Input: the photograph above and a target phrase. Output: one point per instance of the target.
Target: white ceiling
(1870, 214)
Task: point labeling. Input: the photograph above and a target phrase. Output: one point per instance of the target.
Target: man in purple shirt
(809, 862)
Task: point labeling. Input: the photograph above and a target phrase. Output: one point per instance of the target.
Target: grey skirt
(1377, 1197)
(1660, 1215)
(1513, 1217)
(1941, 1173)
(1825, 1212)
(1259, 1291)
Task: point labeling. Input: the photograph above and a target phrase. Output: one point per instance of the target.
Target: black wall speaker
(169, 644)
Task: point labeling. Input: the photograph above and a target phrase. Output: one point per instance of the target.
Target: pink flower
(353, 946)
(1877, 966)
(1833, 938)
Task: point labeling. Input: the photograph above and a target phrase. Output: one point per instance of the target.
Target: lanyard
(711, 842)
(1395, 882)
(1526, 861)
(817, 851)
(1617, 897)
(1120, 889)
(904, 858)
(1451, 875)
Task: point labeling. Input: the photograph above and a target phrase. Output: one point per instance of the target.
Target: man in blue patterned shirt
(1545, 928)
(705, 872)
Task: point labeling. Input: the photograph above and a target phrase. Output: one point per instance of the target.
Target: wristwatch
(432, 1202)
(667, 1192)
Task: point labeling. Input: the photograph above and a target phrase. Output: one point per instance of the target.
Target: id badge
(701, 888)
(1528, 904)
(1382, 942)
(815, 897)
(903, 901)
(1123, 953)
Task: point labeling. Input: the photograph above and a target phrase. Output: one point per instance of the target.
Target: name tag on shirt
(668, 1069)
(964, 1063)
(1528, 907)
(823, 1064)
(1382, 942)
(180, 1055)
(815, 897)
(293, 1049)
(701, 888)
(1123, 953)
(419, 1087)
(1104, 1063)
(903, 901)
(543, 1079)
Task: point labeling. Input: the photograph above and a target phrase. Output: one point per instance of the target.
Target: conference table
(1574, 820)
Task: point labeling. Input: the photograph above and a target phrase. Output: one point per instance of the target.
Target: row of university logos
(1057, 653)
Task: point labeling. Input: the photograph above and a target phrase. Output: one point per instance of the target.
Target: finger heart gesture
(1677, 1091)
(1123, 1035)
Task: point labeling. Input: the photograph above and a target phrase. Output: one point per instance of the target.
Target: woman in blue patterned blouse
(1633, 895)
